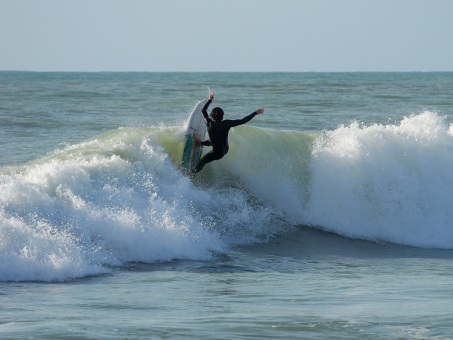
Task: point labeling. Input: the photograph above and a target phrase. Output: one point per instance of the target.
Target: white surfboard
(192, 151)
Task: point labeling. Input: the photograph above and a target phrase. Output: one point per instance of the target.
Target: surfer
(218, 132)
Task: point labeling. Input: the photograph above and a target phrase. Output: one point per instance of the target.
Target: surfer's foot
(197, 138)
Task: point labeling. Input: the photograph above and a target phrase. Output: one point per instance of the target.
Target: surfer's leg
(208, 158)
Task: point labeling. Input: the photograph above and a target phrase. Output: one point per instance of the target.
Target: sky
(226, 36)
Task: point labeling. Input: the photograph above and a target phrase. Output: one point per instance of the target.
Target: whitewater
(313, 191)
(120, 197)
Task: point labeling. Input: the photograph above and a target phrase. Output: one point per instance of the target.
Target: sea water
(330, 218)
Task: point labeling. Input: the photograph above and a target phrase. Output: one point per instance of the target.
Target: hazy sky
(228, 35)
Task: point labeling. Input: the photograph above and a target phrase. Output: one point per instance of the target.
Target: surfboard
(192, 151)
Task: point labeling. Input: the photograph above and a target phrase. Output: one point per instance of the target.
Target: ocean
(330, 218)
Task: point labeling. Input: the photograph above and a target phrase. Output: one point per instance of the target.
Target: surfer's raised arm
(204, 111)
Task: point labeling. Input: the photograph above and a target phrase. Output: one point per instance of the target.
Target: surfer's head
(217, 114)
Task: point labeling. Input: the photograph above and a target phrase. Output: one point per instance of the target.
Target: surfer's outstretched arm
(233, 123)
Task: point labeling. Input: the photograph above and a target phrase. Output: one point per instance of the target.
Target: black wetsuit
(218, 135)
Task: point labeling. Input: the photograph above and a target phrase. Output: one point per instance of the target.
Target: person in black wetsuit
(218, 132)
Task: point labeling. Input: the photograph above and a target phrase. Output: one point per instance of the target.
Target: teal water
(331, 216)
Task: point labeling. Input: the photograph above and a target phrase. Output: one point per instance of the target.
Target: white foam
(390, 183)
(386, 182)
(120, 198)
(109, 201)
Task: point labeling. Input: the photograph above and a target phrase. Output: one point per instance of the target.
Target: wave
(390, 183)
(115, 199)
(120, 197)
(386, 183)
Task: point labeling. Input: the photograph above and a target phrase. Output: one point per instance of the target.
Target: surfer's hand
(211, 95)
(260, 110)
